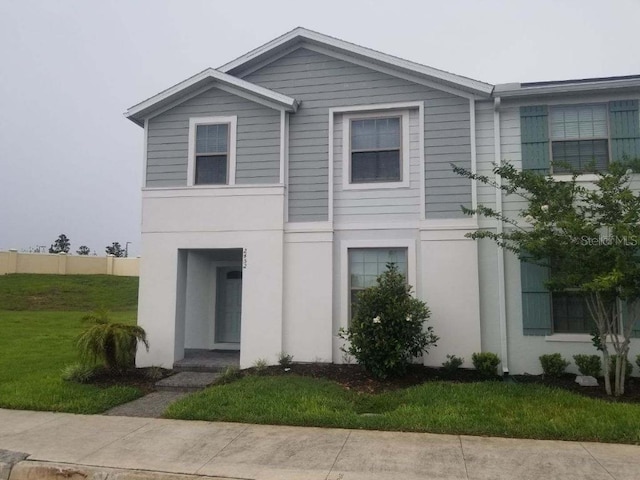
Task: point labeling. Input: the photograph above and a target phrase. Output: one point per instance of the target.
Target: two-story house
(280, 184)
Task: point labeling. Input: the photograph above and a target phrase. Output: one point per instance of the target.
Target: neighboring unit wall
(320, 82)
(258, 139)
(524, 350)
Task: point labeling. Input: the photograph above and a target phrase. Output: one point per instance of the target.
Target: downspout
(502, 305)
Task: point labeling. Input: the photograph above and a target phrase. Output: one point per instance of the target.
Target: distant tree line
(63, 245)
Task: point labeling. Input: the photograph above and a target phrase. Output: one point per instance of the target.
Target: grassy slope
(39, 319)
(490, 408)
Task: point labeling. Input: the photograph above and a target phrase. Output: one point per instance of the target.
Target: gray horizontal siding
(322, 82)
(383, 204)
(257, 145)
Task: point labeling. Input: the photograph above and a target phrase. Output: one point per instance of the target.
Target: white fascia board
(283, 101)
(511, 90)
(475, 86)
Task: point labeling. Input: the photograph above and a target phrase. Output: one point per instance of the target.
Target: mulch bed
(142, 378)
(354, 377)
(568, 382)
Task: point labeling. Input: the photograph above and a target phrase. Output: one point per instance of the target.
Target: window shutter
(625, 129)
(536, 299)
(624, 312)
(534, 135)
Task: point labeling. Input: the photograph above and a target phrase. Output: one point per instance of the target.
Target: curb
(36, 470)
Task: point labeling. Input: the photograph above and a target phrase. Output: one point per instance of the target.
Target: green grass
(40, 316)
(490, 408)
(20, 292)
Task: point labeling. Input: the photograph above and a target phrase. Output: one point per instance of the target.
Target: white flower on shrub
(529, 219)
(544, 208)
(377, 319)
(408, 318)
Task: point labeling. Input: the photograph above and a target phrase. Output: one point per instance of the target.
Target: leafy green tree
(61, 245)
(116, 250)
(112, 344)
(83, 250)
(387, 328)
(588, 233)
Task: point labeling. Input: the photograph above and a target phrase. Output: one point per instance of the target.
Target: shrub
(452, 364)
(590, 365)
(260, 366)
(154, 373)
(638, 360)
(553, 365)
(230, 374)
(628, 368)
(486, 363)
(284, 359)
(79, 373)
(386, 330)
(113, 344)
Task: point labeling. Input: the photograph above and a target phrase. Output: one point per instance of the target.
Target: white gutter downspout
(502, 306)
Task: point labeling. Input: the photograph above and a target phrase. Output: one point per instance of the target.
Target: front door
(228, 304)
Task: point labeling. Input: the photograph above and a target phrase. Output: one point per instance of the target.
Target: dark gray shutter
(534, 135)
(625, 129)
(536, 299)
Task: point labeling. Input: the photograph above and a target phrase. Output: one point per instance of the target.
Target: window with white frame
(376, 149)
(579, 137)
(366, 264)
(212, 151)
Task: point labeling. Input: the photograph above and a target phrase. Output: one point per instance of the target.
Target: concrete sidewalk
(270, 452)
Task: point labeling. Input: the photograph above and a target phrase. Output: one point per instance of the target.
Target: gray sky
(71, 163)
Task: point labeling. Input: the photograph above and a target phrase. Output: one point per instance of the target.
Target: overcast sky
(71, 163)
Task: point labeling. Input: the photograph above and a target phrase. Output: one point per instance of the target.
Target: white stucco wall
(181, 219)
(307, 326)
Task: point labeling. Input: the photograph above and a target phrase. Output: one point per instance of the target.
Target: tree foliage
(587, 232)
(61, 245)
(112, 344)
(116, 250)
(387, 330)
(83, 250)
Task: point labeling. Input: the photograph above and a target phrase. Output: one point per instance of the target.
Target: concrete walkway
(268, 452)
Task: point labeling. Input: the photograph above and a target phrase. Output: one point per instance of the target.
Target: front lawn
(38, 324)
(483, 408)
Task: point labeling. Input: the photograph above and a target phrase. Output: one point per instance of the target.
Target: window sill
(585, 177)
(374, 186)
(569, 337)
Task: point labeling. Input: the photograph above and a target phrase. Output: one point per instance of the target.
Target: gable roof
(206, 79)
(300, 35)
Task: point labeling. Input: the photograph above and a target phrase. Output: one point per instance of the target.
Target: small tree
(113, 344)
(116, 250)
(386, 330)
(61, 245)
(588, 234)
(83, 250)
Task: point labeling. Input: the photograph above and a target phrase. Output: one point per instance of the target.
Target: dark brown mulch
(142, 378)
(354, 377)
(568, 382)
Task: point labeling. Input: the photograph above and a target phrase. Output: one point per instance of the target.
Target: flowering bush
(386, 330)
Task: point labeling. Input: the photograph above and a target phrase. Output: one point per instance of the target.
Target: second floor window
(579, 137)
(212, 154)
(376, 145)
